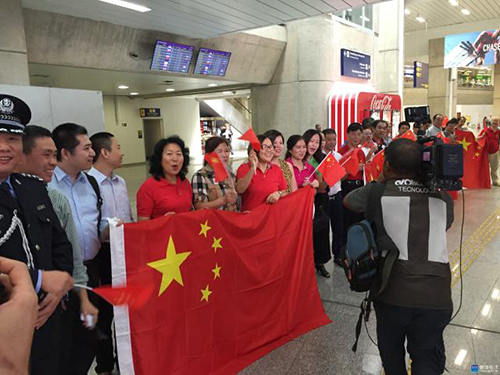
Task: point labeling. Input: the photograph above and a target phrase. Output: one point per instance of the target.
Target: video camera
(443, 164)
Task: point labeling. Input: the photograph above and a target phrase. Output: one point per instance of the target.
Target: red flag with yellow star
(228, 287)
(374, 168)
(476, 166)
(251, 137)
(220, 170)
(331, 170)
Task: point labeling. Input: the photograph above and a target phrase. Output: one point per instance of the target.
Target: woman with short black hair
(167, 191)
(207, 193)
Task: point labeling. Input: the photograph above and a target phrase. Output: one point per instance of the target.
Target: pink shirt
(301, 175)
(156, 198)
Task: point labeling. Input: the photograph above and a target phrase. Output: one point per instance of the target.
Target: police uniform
(31, 233)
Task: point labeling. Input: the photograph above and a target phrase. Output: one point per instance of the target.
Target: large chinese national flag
(228, 287)
(476, 166)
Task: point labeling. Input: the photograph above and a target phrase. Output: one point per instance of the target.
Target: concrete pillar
(295, 100)
(496, 95)
(442, 94)
(390, 58)
(13, 56)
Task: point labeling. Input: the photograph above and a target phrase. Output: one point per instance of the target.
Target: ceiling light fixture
(227, 92)
(170, 90)
(407, 11)
(128, 5)
(213, 84)
(134, 93)
(420, 19)
(453, 2)
(466, 11)
(123, 87)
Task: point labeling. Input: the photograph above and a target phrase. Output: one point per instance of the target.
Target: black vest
(416, 220)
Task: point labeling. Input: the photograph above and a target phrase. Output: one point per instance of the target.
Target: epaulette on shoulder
(27, 176)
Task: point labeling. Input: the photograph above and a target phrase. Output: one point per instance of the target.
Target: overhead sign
(472, 49)
(421, 75)
(355, 64)
(150, 112)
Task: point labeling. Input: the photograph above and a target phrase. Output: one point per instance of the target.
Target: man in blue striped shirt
(74, 156)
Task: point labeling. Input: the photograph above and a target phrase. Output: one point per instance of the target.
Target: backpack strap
(383, 240)
(95, 186)
(374, 215)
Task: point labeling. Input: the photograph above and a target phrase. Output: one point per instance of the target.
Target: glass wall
(362, 16)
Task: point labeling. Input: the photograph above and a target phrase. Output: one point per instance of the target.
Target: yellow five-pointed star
(216, 271)
(478, 154)
(205, 293)
(465, 144)
(170, 266)
(204, 229)
(216, 245)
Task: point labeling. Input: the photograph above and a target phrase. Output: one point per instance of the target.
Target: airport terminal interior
(144, 70)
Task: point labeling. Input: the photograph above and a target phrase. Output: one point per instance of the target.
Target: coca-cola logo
(383, 104)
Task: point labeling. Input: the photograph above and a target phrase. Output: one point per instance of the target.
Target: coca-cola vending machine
(344, 109)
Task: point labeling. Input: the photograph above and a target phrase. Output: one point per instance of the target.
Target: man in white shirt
(108, 157)
(336, 209)
(435, 129)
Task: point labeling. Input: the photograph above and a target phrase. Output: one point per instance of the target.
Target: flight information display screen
(171, 57)
(211, 62)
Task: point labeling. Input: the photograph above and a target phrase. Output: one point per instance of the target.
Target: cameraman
(416, 304)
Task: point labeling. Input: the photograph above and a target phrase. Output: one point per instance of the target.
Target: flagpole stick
(322, 161)
(82, 287)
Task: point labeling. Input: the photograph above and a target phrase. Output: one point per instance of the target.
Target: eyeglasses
(267, 148)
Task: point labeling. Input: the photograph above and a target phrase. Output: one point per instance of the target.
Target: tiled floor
(472, 338)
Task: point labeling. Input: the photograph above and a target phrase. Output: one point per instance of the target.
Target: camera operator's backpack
(366, 268)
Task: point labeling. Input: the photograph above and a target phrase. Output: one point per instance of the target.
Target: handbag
(321, 220)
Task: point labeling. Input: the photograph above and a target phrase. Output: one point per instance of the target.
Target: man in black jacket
(416, 306)
(30, 232)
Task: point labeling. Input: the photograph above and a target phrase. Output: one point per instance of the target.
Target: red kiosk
(344, 109)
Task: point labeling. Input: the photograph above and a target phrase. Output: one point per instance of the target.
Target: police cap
(14, 114)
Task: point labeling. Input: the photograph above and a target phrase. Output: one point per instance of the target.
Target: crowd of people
(60, 188)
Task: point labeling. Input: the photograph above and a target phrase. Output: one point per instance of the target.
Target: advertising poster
(472, 49)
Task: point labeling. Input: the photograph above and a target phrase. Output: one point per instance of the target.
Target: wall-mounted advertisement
(472, 49)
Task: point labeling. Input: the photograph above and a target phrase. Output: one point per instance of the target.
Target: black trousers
(78, 344)
(321, 231)
(45, 347)
(350, 217)
(105, 357)
(336, 214)
(422, 328)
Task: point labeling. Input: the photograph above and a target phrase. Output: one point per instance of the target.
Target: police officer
(416, 305)
(30, 232)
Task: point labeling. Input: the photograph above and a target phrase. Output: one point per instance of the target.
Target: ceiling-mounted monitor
(212, 62)
(172, 57)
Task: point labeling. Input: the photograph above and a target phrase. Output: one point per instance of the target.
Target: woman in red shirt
(259, 181)
(167, 191)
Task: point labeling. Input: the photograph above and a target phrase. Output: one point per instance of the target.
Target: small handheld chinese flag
(441, 136)
(250, 136)
(374, 168)
(220, 171)
(409, 135)
(331, 170)
(350, 162)
(134, 296)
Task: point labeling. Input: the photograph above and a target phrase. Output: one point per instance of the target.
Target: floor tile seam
(476, 328)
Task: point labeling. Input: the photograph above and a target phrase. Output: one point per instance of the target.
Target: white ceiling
(197, 18)
(439, 13)
(108, 81)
